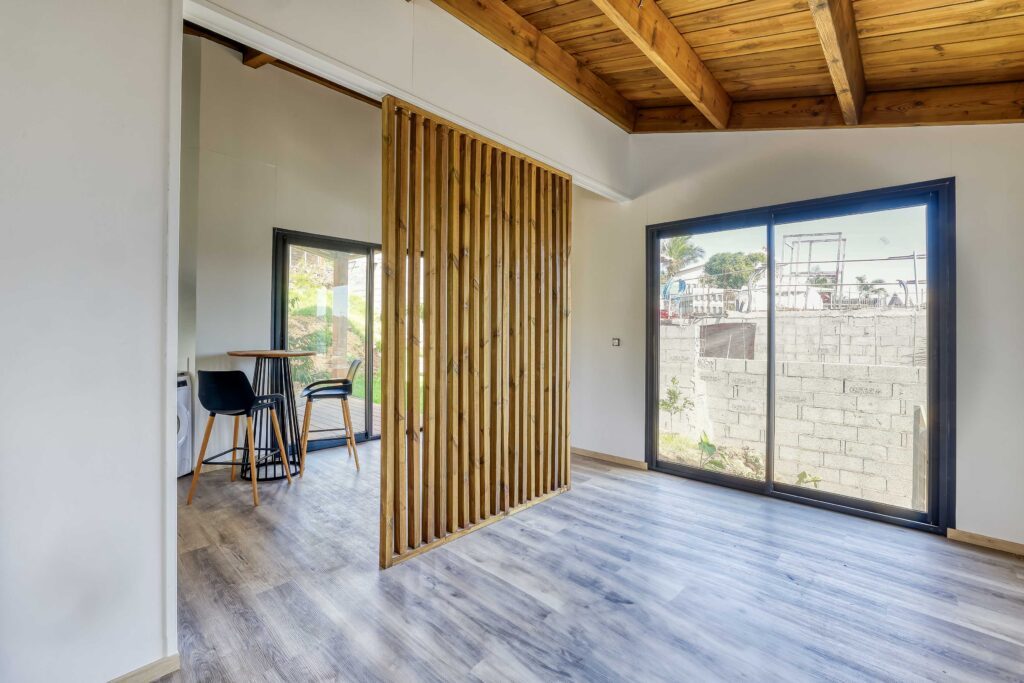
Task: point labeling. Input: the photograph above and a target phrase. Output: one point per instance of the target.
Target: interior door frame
(284, 238)
(940, 198)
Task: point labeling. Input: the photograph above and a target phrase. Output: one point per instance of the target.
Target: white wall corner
(170, 356)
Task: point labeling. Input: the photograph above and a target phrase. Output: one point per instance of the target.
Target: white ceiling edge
(211, 16)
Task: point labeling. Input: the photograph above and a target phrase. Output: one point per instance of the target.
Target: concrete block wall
(867, 336)
(849, 423)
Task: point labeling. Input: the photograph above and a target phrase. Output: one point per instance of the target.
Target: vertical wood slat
(475, 240)
(560, 389)
(473, 332)
(440, 299)
(429, 329)
(483, 393)
(465, 265)
(412, 407)
(566, 209)
(553, 309)
(454, 405)
(545, 327)
(524, 333)
(553, 338)
(515, 338)
(504, 433)
(389, 253)
(496, 334)
(401, 339)
(539, 335)
(531, 325)
(493, 345)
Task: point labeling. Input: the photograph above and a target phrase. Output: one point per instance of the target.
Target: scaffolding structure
(798, 268)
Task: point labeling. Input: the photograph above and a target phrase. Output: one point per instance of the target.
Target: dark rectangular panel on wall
(476, 244)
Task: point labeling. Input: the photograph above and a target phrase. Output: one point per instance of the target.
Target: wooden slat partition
(476, 242)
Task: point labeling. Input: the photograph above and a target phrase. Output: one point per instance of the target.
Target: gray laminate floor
(631, 576)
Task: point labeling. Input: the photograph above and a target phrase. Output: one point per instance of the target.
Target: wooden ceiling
(690, 65)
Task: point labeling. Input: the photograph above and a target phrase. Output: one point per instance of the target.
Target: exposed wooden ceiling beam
(503, 25)
(956, 105)
(195, 30)
(837, 30)
(255, 58)
(647, 26)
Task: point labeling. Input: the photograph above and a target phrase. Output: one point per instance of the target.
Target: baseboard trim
(985, 541)
(614, 459)
(152, 671)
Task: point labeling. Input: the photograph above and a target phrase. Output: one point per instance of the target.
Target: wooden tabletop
(271, 353)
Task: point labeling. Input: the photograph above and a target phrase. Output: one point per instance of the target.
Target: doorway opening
(325, 295)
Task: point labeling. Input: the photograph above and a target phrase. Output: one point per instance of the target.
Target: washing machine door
(185, 459)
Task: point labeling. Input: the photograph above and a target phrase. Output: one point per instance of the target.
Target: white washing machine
(186, 458)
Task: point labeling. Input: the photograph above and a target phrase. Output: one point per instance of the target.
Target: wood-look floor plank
(631, 575)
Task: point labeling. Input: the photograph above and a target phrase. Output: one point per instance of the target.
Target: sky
(881, 234)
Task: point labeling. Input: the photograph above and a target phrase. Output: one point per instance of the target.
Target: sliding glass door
(851, 355)
(800, 350)
(713, 352)
(324, 302)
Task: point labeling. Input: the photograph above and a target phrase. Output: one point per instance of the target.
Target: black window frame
(940, 198)
(283, 239)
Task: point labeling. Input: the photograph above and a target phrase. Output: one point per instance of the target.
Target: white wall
(275, 150)
(417, 50)
(84, 183)
(188, 233)
(683, 176)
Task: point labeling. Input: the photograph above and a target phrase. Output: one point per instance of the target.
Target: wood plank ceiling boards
(678, 65)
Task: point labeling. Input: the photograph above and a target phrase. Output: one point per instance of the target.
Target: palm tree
(869, 290)
(676, 254)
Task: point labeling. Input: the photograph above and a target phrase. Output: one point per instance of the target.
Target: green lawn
(359, 387)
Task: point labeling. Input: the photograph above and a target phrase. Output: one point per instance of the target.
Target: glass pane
(851, 356)
(378, 298)
(713, 352)
(327, 314)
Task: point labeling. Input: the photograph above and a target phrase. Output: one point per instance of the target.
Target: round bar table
(273, 375)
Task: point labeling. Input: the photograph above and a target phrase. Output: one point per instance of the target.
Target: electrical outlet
(616, 341)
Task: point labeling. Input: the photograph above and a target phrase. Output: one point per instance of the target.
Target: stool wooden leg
(234, 447)
(280, 445)
(350, 434)
(199, 460)
(305, 436)
(252, 459)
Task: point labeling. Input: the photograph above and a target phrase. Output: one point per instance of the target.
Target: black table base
(274, 376)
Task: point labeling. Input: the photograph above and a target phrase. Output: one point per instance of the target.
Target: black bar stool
(228, 392)
(338, 389)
